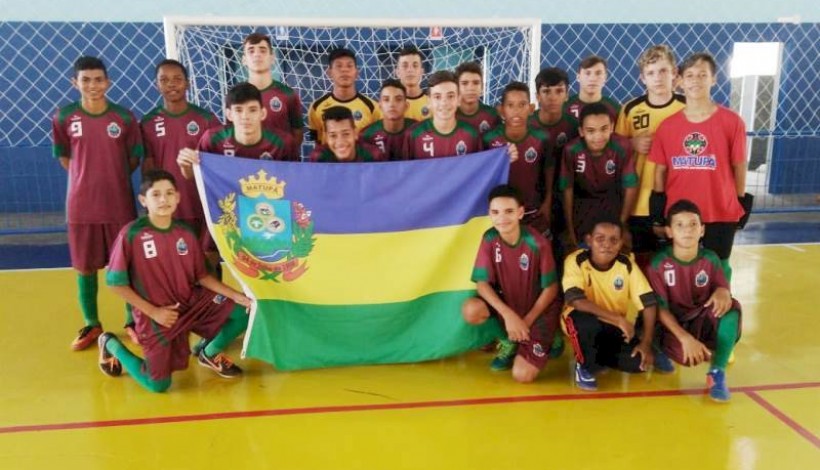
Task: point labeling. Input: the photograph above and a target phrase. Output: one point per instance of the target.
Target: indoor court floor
(60, 411)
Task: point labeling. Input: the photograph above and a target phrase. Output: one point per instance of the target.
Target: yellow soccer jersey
(418, 108)
(365, 112)
(639, 117)
(612, 289)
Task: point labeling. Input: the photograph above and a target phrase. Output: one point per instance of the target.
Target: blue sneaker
(716, 381)
(584, 380)
(557, 348)
(663, 364)
(505, 356)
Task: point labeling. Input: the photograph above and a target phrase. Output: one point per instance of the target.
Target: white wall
(550, 11)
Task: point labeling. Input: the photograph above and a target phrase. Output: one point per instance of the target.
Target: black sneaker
(109, 364)
(220, 364)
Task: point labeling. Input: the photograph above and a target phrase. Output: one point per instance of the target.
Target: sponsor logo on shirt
(114, 130)
(530, 155)
(275, 104)
(538, 350)
(182, 247)
(689, 162)
(524, 262)
(610, 167)
(618, 283)
(192, 128)
(461, 148)
(427, 138)
(701, 279)
(146, 236)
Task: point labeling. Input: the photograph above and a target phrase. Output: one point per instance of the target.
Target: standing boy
(410, 71)
(388, 132)
(517, 285)
(99, 144)
(701, 321)
(592, 74)
(471, 110)
(158, 267)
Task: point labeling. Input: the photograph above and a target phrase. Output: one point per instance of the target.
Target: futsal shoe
(663, 364)
(220, 364)
(131, 331)
(505, 356)
(584, 379)
(109, 364)
(86, 337)
(716, 381)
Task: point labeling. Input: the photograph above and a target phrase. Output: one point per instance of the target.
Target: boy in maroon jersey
(700, 319)
(597, 175)
(245, 137)
(282, 103)
(388, 132)
(441, 135)
(517, 284)
(592, 74)
(171, 127)
(700, 155)
(471, 110)
(99, 144)
(341, 139)
(531, 172)
(158, 267)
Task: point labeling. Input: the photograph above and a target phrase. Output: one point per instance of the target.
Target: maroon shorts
(90, 244)
(536, 349)
(167, 349)
(702, 326)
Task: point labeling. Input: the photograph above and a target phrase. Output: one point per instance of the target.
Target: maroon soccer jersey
(559, 133)
(517, 273)
(162, 266)
(424, 141)
(364, 153)
(391, 144)
(597, 182)
(284, 108)
(485, 119)
(165, 134)
(683, 287)
(534, 160)
(98, 147)
(698, 158)
(274, 145)
(574, 106)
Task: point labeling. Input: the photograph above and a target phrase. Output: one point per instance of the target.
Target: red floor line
(386, 406)
(785, 419)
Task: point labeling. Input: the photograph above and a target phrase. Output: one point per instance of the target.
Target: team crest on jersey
(114, 130)
(268, 237)
(618, 283)
(530, 155)
(265, 156)
(524, 262)
(610, 167)
(192, 128)
(425, 111)
(538, 350)
(695, 143)
(182, 247)
(275, 104)
(562, 139)
(701, 278)
(219, 299)
(357, 115)
(484, 126)
(461, 148)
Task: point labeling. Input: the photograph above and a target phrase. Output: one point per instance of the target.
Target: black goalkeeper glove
(747, 201)
(657, 205)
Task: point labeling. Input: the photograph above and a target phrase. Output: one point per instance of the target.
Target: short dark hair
(696, 57)
(410, 50)
(592, 61)
(594, 109)
(393, 83)
(506, 190)
(681, 206)
(607, 220)
(338, 113)
(88, 62)
(551, 76)
(172, 63)
(340, 53)
(468, 67)
(154, 175)
(514, 86)
(242, 93)
(441, 76)
(256, 38)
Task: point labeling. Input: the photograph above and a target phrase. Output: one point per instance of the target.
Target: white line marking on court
(795, 248)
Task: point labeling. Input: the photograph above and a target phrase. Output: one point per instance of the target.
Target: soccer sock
(87, 293)
(726, 339)
(236, 324)
(134, 365)
(129, 314)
